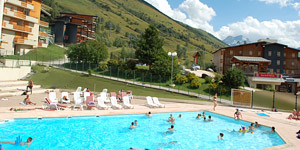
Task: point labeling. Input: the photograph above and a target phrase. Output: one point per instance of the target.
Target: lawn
(53, 52)
(68, 80)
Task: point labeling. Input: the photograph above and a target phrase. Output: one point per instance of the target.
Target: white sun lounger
(150, 102)
(126, 103)
(101, 104)
(114, 103)
(104, 97)
(67, 95)
(86, 94)
(104, 90)
(52, 97)
(78, 100)
(156, 101)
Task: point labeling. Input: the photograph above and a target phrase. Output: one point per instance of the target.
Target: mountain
(237, 40)
(132, 17)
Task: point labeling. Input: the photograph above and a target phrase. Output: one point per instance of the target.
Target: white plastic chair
(62, 97)
(101, 104)
(78, 89)
(78, 100)
(126, 103)
(104, 90)
(150, 102)
(156, 101)
(52, 97)
(104, 96)
(114, 103)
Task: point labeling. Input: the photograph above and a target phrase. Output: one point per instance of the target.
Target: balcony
(22, 41)
(20, 4)
(17, 28)
(20, 15)
(44, 24)
(44, 34)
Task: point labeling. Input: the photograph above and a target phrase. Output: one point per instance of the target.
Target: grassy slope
(53, 52)
(120, 6)
(68, 80)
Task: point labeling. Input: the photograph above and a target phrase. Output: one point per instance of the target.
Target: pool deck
(285, 128)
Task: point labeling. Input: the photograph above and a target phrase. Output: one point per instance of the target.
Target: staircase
(13, 88)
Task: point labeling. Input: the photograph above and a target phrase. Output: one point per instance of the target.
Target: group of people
(204, 117)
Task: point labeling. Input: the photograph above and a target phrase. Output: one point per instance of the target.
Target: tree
(90, 51)
(179, 51)
(162, 65)
(234, 78)
(118, 29)
(149, 46)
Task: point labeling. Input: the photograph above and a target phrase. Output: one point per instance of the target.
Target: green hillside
(134, 16)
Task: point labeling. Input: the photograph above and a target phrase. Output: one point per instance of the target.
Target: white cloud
(282, 3)
(285, 32)
(191, 12)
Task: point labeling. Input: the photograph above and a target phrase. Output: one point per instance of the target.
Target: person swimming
(179, 116)
(209, 118)
(251, 127)
(203, 114)
(198, 116)
(220, 137)
(149, 114)
(136, 124)
(132, 125)
(28, 142)
(257, 125)
(272, 130)
(171, 119)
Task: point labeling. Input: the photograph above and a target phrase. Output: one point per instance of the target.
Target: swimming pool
(112, 132)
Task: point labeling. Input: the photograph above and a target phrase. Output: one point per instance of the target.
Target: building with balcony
(44, 31)
(73, 28)
(260, 61)
(19, 26)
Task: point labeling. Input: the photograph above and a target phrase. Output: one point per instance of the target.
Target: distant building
(44, 31)
(19, 26)
(259, 61)
(74, 28)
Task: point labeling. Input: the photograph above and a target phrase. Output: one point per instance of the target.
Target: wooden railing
(43, 34)
(20, 15)
(22, 28)
(24, 4)
(40, 44)
(44, 23)
(19, 40)
(5, 11)
(4, 24)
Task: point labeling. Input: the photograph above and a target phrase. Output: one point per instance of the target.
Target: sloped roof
(251, 59)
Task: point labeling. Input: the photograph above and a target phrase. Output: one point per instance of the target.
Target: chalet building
(264, 63)
(19, 26)
(73, 28)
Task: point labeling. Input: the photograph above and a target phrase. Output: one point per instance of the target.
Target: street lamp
(297, 94)
(172, 55)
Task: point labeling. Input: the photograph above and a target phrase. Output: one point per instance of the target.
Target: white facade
(1, 16)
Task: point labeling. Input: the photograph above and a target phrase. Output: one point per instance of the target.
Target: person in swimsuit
(237, 115)
(272, 130)
(136, 124)
(220, 137)
(171, 129)
(171, 119)
(28, 142)
(210, 119)
(257, 125)
(198, 116)
(132, 125)
(30, 86)
(179, 116)
(215, 101)
(149, 114)
(27, 101)
(251, 127)
(293, 115)
(203, 114)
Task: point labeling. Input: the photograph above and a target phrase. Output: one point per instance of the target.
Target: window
(284, 62)
(259, 53)
(278, 62)
(293, 55)
(250, 53)
(278, 70)
(20, 23)
(241, 52)
(231, 52)
(284, 54)
(269, 53)
(278, 54)
(26, 12)
(293, 71)
(271, 70)
(12, 9)
(293, 63)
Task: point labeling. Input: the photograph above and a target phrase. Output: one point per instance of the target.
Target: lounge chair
(78, 89)
(126, 103)
(90, 102)
(86, 94)
(150, 102)
(156, 101)
(104, 90)
(52, 97)
(52, 105)
(104, 97)
(63, 94)
(101, 104)
(78, 100)
(121, 95)
(114, 103)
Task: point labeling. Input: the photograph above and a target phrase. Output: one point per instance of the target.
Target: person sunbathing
(28, 142)
(294, 114)
(27, 101)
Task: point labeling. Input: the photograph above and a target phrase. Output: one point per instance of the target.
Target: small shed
(196, 56)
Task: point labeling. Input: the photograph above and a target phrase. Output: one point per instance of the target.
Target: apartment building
(19, 26)
(265, 62)
(74, 28)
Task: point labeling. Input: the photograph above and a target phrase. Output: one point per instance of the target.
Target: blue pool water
(112, 132)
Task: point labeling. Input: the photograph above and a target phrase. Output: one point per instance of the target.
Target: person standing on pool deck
(30, 85)
(28, 142)
(238, 115)
(215, 101)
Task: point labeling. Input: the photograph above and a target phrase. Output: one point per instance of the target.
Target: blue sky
(254, 19)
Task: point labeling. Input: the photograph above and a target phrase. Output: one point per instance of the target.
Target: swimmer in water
(132, 125)
(28, 142)
(220, 137)
(149, 114)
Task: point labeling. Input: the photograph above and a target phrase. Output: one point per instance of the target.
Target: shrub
(208, 79)
(195, 83)
(89, 72)
(213, 87)
(181, 79)
(234, 78)
(112, 63)
(191, 76)
(102, 66)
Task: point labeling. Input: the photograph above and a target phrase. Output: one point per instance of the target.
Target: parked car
(195, 67)
(211, 70)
